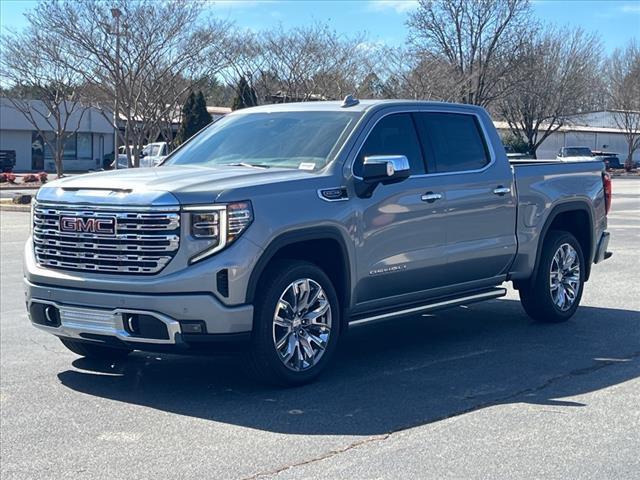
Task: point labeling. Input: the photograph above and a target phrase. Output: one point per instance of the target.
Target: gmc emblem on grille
(102, 226)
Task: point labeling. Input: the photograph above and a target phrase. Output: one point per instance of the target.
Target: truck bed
(545, 185)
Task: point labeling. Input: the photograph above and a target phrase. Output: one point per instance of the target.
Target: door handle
(501, 190)
(431, 197)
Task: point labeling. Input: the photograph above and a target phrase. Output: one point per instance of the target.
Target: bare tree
(162, 45)
(305, 63)
(479, 39)
(559, 69)
(313, 62)
(45, 87)
(244, 59)
(406, 73)
(624, 91)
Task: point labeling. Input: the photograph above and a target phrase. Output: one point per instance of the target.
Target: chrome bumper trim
(75, 321)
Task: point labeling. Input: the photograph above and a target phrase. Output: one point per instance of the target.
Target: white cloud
(228, 4)
(632, 8)
(399, 6)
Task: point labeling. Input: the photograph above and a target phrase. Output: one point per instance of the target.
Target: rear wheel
(554, 294)
(296, 324)
(98, 352)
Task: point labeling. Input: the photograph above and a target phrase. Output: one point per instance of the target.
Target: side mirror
(385, 169)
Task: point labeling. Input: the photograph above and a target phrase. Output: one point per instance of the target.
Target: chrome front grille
(144, 242)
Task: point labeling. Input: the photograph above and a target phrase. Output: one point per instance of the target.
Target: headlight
(239, 217)
(205, 224)
(218, 225)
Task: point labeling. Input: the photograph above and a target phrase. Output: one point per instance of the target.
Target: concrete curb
(17, 187)
(15, 208)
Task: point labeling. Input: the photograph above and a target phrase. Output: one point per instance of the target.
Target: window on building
(76, 147)
(70, 148)
(84, 146)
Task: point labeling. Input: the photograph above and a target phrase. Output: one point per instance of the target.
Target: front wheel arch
(322, 246)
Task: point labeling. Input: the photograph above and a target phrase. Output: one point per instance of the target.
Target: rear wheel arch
(322, 246)
(576, 218)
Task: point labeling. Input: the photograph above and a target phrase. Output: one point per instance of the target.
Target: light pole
(115, 13)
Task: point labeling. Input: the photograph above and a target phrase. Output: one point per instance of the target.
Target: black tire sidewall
(276, 280)
(556, 239)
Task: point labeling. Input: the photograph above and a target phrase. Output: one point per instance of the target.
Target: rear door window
(393, 135)
(452, 142)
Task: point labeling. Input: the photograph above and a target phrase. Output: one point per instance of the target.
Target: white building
(83, 151)
(596, 130)
(217, 112)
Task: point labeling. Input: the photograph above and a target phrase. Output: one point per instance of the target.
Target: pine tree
(201, 116)
(186, 125)
(246, 95)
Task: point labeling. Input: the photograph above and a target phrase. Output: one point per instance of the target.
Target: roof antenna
(349, 101)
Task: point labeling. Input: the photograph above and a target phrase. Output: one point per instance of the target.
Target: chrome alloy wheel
(302, 324)
(564, 277)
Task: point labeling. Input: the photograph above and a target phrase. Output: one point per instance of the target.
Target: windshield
(303, 140)
(154, 150)
(577, 152)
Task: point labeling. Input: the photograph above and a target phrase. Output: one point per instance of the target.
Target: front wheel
(296, 324)
(554, 294)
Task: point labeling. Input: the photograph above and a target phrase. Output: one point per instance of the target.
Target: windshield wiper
(244, 164)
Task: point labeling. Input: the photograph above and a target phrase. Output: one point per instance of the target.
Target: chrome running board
(451, 302)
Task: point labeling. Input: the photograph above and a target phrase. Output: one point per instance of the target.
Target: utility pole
(115, 13)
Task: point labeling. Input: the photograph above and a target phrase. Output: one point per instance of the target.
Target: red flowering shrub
(30, 178)
(7, 178)
(35, 177)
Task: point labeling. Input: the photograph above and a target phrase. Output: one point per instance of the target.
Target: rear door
(479, 198)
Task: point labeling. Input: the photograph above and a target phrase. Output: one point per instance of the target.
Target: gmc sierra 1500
(279, 226)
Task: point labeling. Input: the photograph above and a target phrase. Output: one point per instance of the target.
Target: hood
(146, 186)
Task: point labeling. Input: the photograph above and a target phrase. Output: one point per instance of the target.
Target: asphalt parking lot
(475, 392)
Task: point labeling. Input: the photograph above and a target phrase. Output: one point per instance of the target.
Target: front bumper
(99, 316)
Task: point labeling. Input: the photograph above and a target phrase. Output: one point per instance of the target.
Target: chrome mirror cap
(394, 163)
(381, 169)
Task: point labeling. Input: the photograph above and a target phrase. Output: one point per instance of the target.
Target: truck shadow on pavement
(393, 375)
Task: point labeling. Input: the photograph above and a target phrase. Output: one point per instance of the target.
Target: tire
(540, 301)
(93, 351)
(308, 341)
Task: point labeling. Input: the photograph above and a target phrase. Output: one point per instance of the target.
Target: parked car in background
(610, 159)
(143, 160)
(153, 154)
(574, 154)
(518, 156)
(282, 226)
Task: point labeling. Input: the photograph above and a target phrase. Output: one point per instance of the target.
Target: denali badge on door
(102, 226)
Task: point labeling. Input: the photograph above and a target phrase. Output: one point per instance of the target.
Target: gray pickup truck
(278, 227)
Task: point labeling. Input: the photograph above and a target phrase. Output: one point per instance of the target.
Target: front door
(401, 237)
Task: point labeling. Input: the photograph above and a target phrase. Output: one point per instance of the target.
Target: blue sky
(384, 20)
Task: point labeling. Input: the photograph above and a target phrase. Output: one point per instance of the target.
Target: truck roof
(361, 106)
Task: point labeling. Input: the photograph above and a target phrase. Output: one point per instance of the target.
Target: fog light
(130, 321)
(196, 326)
(52, 315)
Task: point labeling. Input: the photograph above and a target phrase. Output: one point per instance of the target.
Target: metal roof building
(596, 130)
